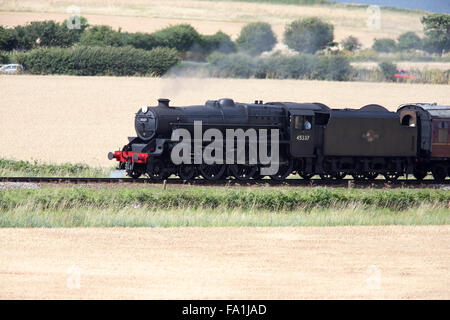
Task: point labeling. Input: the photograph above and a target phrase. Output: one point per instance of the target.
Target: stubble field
(390, 262)
(80, 119)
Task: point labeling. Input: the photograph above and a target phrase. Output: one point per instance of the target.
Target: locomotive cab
(302, 133)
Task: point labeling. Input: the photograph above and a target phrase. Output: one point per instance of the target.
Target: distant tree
(217, 42)
(437, 32)
(351, 43)
(8, 40)
(384, 45)
(101, 36)
(181, 37)
(256, 38)
(409, 40)
(140, 40)
(44, 34)
(388, 70)
(309, 35)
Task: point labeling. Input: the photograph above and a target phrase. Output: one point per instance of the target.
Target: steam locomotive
(311, 139)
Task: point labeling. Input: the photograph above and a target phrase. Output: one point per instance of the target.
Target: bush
(384, 45)
(334, 67)
(219, 41)
(308, 35)
(4, 58)
(8, 40)
(351, 43)
(236, 65)
(82, 60)
(388, 70)
(44, 34)
(365, 55)
(256, 38)
(302, 66)
(139, 40)
(408, 41)
(102, 36)
(181, 37)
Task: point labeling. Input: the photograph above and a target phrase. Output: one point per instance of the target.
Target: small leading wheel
(371, 175)
(213, 171)
(187, 172)
(134, 174)
(283, 171)
(156, 170)
(391, 176)
(243, 172)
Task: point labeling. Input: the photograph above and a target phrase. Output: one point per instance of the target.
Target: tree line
(51, 47)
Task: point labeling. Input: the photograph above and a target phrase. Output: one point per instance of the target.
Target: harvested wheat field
(226, 263)
(211, 16)
(80, 119)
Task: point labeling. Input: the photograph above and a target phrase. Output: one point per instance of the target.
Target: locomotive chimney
(163, 102)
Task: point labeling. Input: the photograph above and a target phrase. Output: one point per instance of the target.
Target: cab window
(298, 122)
(303, 122)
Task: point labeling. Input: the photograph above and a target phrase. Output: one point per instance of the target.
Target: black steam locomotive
(312, 140)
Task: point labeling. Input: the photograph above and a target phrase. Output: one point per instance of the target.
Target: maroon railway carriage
(433, 123)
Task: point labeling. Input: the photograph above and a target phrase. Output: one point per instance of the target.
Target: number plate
(303, 138)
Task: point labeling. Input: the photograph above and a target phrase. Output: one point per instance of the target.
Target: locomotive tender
(313, 140)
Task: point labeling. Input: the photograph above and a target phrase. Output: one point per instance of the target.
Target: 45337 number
(302, 138)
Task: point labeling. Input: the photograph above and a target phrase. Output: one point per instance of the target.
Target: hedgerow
(91, 61)
(301, 66)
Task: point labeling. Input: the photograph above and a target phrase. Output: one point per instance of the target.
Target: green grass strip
(272, 199)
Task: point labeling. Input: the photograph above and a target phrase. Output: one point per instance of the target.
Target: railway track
(230, 182)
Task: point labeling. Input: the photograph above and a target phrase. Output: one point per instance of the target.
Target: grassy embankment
(19, 168)
(194, 206)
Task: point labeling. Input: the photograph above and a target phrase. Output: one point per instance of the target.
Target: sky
(442, 6)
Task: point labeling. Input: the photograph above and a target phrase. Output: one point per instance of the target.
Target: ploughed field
(80, 119)
(389, 262)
